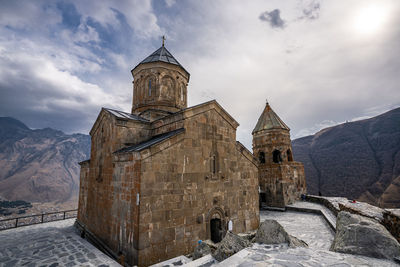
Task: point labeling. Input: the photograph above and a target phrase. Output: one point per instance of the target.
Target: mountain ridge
(358, 160)
(40, 165)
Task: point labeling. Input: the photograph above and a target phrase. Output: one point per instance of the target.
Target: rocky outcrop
(271, 232)
(357, 160)
(231, 244)
(201, 250)
(360, 235)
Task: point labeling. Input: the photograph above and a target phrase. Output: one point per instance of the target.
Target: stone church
(165, 175)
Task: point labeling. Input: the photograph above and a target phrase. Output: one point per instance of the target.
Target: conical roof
(269, 120)
(163, 55)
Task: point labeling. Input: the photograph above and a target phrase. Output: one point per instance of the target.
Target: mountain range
(358, 160)
(39, 165)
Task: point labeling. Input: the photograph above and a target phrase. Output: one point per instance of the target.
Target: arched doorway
(216, 230)
(216, 224)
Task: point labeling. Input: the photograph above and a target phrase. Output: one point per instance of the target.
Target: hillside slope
(39, 165)
(358, 160)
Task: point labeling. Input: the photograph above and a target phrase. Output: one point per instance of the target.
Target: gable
(211, 105)
(246, 153)
(119, 116)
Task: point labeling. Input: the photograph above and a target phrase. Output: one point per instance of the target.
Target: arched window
(149, 87)
(261, 157)
(182, 92)
(289, 155)
(276, 156)
(214, 164)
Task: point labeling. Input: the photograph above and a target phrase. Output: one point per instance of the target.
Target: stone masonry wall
(107, 192)
(83, 191)
(181, 192)
(282, 182)
(159, 85)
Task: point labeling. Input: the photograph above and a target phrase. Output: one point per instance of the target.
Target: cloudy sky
(319, 63)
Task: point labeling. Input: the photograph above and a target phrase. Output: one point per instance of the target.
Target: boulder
(249, 235)
(231, 244)
(271, 232)
(201, 250)
(296, 242)
(360, 235)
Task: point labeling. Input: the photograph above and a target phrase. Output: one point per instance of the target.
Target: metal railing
(37, 218)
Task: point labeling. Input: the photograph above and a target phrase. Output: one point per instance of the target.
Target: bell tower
(159, 86)
(281, 179)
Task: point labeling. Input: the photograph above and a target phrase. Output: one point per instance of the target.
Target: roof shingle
(269, 120)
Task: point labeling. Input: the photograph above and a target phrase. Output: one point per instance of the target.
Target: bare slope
(39, 165)
(357, 160)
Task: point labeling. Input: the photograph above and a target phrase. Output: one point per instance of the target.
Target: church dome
(161, 55)
(160, 83)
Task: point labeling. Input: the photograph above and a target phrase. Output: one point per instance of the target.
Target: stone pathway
(311, 228)
(280, 255)
(49, 244)
(329, 216)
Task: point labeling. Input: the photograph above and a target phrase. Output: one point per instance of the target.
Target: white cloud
(315, 72)
(138, 13)
(34, 84)
(170, 3)
(28, 15)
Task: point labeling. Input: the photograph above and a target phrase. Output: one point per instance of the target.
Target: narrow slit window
(149, 87)
(182, 97)
(214, 165)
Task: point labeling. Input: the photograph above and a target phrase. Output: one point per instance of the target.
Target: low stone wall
(323, 201)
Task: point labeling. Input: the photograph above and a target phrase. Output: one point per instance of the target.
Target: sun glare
(370, 19)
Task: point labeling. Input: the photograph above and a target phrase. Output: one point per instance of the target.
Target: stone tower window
(276, 156)
(261, 157)
(289, 155)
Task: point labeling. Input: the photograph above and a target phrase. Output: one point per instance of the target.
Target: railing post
(64, 216)
(16, 222)
(42, 218)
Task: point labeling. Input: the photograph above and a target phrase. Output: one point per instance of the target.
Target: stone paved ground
(311, 228)
(315, 206)
(49, 244)
(280, 255)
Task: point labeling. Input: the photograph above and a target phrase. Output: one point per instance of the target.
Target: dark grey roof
(269, 120)
(154, 140)
(163, 55)
(125, 115)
